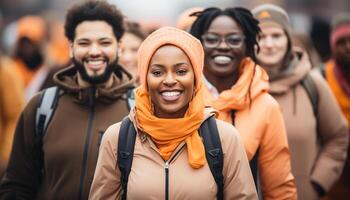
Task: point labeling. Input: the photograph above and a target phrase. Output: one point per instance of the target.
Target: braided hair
(242, 16)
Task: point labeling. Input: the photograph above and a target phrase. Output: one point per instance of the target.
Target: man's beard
(96, 79)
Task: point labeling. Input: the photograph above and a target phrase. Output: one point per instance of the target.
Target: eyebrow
(87, 40)
(176, 65)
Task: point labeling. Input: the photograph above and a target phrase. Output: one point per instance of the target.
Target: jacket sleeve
(333, 132)
(12, 102)
(21, 179)
(274, 159)
(106, 182)
(238, 180)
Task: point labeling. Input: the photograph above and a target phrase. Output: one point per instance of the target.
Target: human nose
(169, 79)
(94, 50)
(223, 44)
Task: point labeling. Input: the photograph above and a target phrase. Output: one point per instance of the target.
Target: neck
(84, 83)
(221, 83)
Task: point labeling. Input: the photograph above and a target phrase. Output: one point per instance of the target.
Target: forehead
(94, 30)
(271, 28)
(168, 53)
(224, 24)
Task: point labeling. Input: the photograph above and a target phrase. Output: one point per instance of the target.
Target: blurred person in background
(129, 45)
(57, 160)
(186, 19)
(237, 87)
(317, 131)
(11, 105)
(29, 53)
(337, 73)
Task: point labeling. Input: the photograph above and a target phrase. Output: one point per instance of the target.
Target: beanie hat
(173, 36)
(340, 27)
(272, 15)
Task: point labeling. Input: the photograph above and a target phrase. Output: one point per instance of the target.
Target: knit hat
(170, 35)
(340, 27)
(32, 27)
(272, 15)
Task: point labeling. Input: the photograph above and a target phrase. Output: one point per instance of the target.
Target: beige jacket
(316, 156)
(147, 176)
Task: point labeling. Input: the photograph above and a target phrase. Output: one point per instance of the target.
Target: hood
(66, 79)
(252, 82)
(292, 74)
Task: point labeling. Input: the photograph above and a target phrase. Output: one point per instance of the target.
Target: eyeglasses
(211, 40)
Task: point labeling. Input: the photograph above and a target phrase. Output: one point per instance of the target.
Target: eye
(156, 72)
(234, 40)
(211, 39)
(276, 35)
(106, 43)
(84, 44)
(181, 72)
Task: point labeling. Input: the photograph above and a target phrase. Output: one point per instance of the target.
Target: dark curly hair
(92, 11)
(242, 16)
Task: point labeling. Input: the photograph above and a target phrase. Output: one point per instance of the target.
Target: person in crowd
(169, 111)
(317, 131)
(130, 43)
(337, 73)
(11, 105)
(29, 53)
(237, 87)
(58, 161)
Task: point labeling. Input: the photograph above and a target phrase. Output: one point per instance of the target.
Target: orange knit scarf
(169, 133)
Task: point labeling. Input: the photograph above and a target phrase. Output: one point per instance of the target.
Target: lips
(222, 60)
(170, 95)
(95, 64)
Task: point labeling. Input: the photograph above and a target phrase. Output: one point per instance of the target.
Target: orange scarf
(237, 97)
(169, 133)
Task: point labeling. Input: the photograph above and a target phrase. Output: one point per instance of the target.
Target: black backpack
(213, 152)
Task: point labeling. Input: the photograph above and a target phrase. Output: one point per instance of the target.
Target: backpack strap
(131, 98)
(309, 85)
(213, 151)
(43, 115)
(126, 144)
(254, 168)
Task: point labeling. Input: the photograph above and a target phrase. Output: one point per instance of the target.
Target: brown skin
(225, 76)
(341, 53)
(170, 71)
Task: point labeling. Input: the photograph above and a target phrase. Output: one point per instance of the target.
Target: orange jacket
(11, 104)
(262, 129)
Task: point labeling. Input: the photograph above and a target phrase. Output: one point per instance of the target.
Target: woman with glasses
(237, 88)
(317, 132)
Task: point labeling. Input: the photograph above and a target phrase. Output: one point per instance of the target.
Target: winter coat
(71, 141)
(261, 126)
(317, 144)
(147, 176)
(340, 190)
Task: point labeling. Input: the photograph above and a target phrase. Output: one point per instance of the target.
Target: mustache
(87, 58)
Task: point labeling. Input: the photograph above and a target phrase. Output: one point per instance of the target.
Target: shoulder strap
(213, 152)
(309, 85)
(44, 113)
(131, 98)
(126, 144)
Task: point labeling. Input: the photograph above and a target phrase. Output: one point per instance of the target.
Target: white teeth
(222, 60)
(171, 94)
(95, 62)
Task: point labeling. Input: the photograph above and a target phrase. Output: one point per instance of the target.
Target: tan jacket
(147, 176)
(311, 160)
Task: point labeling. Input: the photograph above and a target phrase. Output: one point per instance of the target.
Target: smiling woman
(169, 152)
(237, 87)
